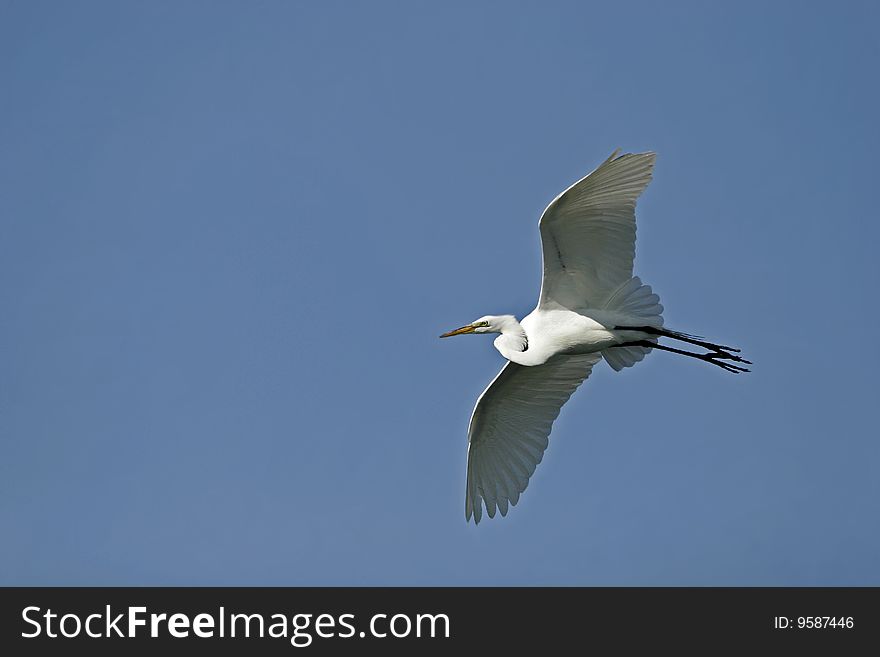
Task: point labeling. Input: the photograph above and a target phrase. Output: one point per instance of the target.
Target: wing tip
(613, 156)
(475, 511)
(649, 158)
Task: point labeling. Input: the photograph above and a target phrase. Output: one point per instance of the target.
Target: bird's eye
(483, 324)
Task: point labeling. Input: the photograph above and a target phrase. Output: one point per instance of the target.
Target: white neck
(513, 342)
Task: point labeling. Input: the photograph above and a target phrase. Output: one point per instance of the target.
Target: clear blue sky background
(230, 234)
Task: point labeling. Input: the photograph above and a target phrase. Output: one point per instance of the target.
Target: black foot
(719, 359)
(723, 355)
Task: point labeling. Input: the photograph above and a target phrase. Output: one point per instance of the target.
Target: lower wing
(510, 427)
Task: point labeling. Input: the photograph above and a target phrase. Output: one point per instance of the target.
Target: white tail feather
(639, 302)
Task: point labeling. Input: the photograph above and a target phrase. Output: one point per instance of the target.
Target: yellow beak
(459, 331)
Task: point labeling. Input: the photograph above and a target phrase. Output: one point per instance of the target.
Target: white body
(552, 332)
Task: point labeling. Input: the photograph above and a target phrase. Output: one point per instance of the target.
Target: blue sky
(231, 234)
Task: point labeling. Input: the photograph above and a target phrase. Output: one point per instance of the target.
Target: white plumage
(588, 234)
(590, 307)
(510, 427)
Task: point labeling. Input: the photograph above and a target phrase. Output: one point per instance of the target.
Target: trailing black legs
(683, 337)
(719, 355)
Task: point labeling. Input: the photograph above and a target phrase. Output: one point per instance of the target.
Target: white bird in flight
(591, 307)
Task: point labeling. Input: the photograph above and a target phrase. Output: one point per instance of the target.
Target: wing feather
(588, 233)
(510, 426)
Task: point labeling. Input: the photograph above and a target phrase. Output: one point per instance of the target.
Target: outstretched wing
(588, 233)
(510, 427)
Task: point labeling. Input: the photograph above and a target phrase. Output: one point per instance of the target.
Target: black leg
(716, 357)
(683, 337)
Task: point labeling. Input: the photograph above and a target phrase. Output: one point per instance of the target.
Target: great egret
(591, 307)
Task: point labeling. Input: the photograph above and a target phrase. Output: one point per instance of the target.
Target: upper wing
(510, 427)
(588, 233)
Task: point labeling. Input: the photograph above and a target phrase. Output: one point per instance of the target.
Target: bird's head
(486, 324)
